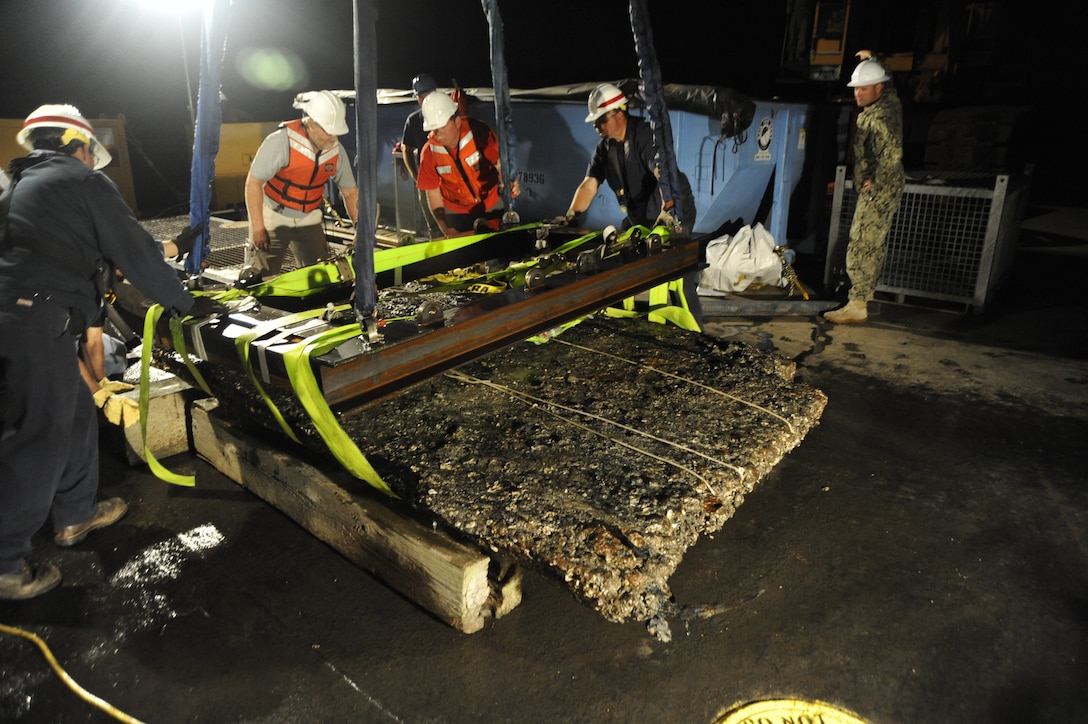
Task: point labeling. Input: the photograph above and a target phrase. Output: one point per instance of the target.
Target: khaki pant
(304, 235)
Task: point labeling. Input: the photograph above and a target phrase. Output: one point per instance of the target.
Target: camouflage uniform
(878, 156)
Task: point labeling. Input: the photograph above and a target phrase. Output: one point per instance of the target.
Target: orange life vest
(300, 184)
(468, 180)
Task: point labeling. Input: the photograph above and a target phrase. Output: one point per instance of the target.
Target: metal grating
(949, 245)
(227, 243)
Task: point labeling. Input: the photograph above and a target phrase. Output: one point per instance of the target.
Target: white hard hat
(326, 108)
(53, 115)
(604, 98)
(438, 108)
(868, 72)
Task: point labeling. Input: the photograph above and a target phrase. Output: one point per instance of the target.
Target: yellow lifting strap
(301, 374)
(160, 471)
(486, 287)
(243, 344)
(304, 383)
(660, 309)
(299, 371)
(151, 319)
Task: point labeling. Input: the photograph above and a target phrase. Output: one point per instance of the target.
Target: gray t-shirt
(275, 153)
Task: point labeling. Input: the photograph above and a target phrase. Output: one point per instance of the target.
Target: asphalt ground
(921, 556)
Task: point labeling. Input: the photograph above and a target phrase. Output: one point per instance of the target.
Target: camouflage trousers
(868, 245)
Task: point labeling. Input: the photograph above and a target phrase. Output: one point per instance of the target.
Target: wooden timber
(455, 582)
(166, 430)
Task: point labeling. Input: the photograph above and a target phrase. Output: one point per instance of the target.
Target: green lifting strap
(301, 374)
(661, 311)
(626, 312)
(386, 259)
(299, 371)
(514, 274)
(308, 280)
(243, 344)
(160, 471)
(660, 308)
(554, 332)
(178, 336)
(151, 319)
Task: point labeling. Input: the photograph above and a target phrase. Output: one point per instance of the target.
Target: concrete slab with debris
(599, 457)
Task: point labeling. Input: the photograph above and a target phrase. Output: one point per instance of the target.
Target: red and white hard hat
(604, 98)
(62, 115)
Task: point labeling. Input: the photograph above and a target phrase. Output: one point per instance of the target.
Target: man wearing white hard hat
(459, 169)
(285, 187)
(68, 228)
(879, 180)
(626, 159)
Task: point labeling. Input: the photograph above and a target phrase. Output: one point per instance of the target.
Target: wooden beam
(455, 582)
(167, 432)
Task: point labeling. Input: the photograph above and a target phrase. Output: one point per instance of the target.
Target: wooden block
(167, 430)
(456, 582)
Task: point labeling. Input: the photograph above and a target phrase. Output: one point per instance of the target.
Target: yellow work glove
(122, 410)
(108, 387)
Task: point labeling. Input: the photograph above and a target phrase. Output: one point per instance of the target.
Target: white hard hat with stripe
(604, 98)
(62, 115)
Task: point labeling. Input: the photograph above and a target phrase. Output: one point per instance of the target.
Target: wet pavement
(921, 556)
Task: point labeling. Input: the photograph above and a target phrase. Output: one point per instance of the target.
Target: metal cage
(951, 244)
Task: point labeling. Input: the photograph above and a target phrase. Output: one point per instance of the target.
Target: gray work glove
(665, 219)
(563, 220)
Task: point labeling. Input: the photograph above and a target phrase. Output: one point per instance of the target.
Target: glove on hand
(563, 220)
(665, 219)
(204, 306)
(187, 239)
(122, 410)
(108, 388)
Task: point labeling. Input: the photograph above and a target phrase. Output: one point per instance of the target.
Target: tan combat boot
(854, 312)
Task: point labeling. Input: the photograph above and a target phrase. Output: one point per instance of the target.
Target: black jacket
(629, 170)
(68, 228)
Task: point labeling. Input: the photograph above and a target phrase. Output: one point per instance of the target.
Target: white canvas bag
(736, 262)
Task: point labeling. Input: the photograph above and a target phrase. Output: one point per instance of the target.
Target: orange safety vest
(300, 184)
(469, 179)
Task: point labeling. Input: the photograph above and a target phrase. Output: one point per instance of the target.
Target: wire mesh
(226, 243)
(942, 243)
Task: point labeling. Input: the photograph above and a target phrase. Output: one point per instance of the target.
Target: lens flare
(273, 69)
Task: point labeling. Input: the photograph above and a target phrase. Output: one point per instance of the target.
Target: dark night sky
(125, 57)
(114, 57)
